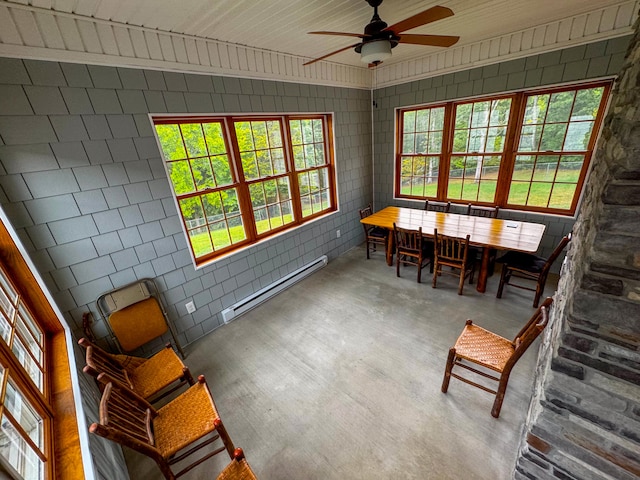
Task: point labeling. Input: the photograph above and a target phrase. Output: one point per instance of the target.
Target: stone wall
(584, 419)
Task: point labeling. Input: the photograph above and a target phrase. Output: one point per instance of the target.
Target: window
(238, 180)
(527, 150)
(25, 421)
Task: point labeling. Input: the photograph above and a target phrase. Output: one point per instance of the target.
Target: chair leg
(502, 388)
(447, 371)
(539, 292)
(436, 267)
(462, 279)
(419, 269)
(367, 249)
(503, 279)
(398, 264)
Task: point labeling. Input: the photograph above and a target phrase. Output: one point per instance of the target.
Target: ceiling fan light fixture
(375, 52)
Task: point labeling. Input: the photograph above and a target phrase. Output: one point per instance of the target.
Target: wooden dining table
(484, 232)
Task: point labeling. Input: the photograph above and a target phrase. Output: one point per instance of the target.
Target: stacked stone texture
(584, 420)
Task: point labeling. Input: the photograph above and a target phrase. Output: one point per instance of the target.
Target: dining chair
(238, 468)
(374, 236)
(432, 206)
(530, 267)
(147, 377)
(493, 352)
(452, 252)
(486, 212)
(411, 249)
(190, 421)
(482, 211)
(135, 316)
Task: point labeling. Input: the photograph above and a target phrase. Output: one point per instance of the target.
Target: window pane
(202, 173)
(181, 177)
(221, 170)
(473, 177)
(436, 120)
(587, 104)
(27, 336)
(5, 328)
(200, 241)
(422, 120)
(171, 142)
(518, 193)
(15, 450)
(553, 137)
(435, 142)
(523, 168)
(570, 168)
(220, 236)
(8, 295)
(214, 138)
(539, 194)
(31, 367)
(409, 121)
(480, 117)
(578, 136)
(560, 107)
(536, 109)
(408, 143)
(562, 195)
(24, 414)
(545, 169)
(194, 139)
(530, 138)
(249, 165)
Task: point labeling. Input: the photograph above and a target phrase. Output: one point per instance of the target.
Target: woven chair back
(451, 250)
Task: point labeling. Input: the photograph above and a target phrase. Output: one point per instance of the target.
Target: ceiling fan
(378, 38)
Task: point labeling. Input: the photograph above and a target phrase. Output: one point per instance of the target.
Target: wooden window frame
(508, 156)
(56, 399)
(241, 184)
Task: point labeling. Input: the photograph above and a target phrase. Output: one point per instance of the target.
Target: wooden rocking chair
(128, 419)
(145, 376)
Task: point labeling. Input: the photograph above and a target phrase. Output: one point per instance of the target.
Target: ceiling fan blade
(432, 40)
(329, 54)
(430, 15)
(342, 34)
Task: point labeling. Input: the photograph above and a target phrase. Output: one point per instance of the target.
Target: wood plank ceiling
(135, 29)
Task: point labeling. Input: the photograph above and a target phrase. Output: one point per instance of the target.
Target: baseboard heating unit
(269, 291)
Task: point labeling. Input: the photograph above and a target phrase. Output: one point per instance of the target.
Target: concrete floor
(339, 378)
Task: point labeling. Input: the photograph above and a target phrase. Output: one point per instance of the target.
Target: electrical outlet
(190, 307)
(337, 233)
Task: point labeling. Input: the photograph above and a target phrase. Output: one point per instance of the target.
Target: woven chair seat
(237, 470)
(482, 346)
(158, 372)
(184, 420)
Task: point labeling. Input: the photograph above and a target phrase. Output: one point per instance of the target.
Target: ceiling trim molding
(41, 34)
(609, 22)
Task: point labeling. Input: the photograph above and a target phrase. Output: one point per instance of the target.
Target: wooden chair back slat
(100, 361)
(432, 206)
(481, 211)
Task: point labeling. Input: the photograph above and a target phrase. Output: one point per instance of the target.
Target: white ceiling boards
(269, 39)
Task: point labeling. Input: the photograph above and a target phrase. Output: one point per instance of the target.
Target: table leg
(390, 248)
(481, 286)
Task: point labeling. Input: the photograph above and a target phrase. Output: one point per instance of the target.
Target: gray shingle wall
(572, 64)
(83, 183)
